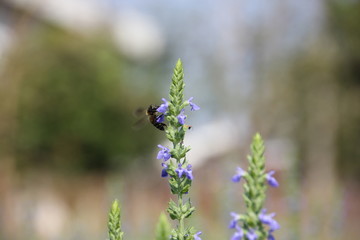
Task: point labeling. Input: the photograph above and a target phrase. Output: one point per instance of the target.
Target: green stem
(181, 220)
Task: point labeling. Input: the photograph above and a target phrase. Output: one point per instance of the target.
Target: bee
(154, 117)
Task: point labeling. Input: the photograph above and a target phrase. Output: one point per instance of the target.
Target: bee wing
(140, 112)
(139, 123)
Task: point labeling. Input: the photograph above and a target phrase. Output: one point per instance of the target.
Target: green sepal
(179, 151)
(174, 235)
(189, 233)
(170, 134)
(185, 185)
(181, 186)
(173, 210)
(187, 209)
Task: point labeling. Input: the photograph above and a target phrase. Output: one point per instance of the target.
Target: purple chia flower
(238, 235)
(274, 225)
(180, 170)
(196, 236)
(269, 220)
(251, 235)
(266, 218)
(270, 237)
(164, 106)
(271, 180)
(164, 153)
(164, 172)
(239, 174)
(160, 118)
(181, 117)
(193, 106)
(234, 220)
(187, 171)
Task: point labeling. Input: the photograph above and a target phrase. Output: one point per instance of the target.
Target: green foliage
(74, 110)
(162, 228)
(344, 21)
(114, 223)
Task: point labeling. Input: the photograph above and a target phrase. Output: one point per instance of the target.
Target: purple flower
(193, 106)
(234, 220)
(274, 225)
(160, 118)
(164, 153)
(196, 236)
(180, 170)
(266, 218)
(239, 174)
(164, 172)
(251, 235)
(187, 171)
(270, 237)
(269, 220)
(238, 235)
(163, 107)
(271, 180)
(181, 117)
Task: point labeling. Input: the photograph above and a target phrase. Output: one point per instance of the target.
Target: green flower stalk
(175, 165)
(252, 224)
(114, 223)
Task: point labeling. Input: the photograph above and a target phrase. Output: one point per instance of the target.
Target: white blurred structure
(217, 138)
(79, 15)
(137, 35)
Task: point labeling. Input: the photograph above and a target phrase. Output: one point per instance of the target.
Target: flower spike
(255, 223)
(175, 165)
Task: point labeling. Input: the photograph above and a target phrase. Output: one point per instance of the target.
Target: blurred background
(73, 72)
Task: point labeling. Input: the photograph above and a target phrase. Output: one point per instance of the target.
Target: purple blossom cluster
(267, 219)
(164, 152)
(165, 155)
(269, 178)
(184, 171)
(163, 108)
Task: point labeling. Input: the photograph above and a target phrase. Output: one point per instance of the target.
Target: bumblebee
(154, 117)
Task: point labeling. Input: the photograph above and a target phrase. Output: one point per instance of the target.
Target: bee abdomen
(160, 126)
